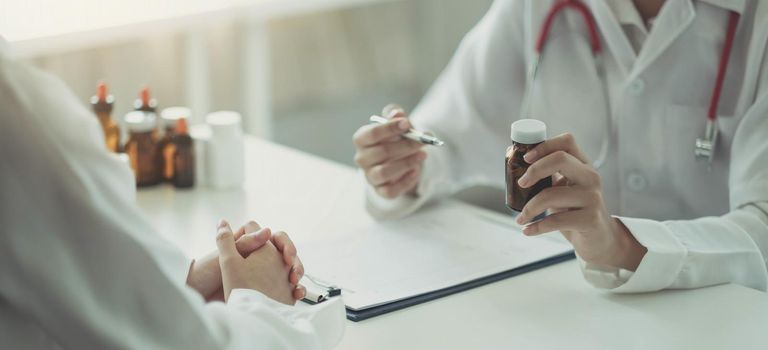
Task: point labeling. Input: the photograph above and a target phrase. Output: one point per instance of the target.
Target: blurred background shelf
(304, 73)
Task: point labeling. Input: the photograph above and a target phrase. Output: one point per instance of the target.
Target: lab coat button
(637, 87)
(636, 182)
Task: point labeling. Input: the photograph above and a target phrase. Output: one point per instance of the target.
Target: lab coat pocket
(696, 182)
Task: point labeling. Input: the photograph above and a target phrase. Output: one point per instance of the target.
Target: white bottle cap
(171, 114)
(529, 131)
(224, 123)
(140, 121)
(223, 118)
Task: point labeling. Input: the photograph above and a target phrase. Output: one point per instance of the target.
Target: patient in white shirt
(82, 268)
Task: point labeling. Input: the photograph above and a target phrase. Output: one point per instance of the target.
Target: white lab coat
(700, 227)
(82, 268)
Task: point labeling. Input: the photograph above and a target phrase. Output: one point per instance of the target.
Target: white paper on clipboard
(438, 247)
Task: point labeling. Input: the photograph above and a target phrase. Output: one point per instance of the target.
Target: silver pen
(412, 134)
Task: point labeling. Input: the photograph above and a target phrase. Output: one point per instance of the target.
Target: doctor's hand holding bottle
(575, 205)
(392, 163)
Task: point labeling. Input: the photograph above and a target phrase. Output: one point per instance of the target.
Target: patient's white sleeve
(81, 267)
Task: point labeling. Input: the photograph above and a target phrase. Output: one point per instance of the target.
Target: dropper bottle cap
(181, 126)
(145, 102)
(140, 121)
(170, 115)
(102, 95)
(101, 91)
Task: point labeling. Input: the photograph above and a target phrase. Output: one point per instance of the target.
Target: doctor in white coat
(82, 268)
(651, 216)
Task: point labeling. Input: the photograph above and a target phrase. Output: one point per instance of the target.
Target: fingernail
(403, 124)
(222, 223)
(519, 219)
(529, 229)
(264, 232)
(530, 155)
(392, 113)
(523, 181)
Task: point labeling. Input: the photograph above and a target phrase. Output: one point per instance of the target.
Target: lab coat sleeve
(485, 79)
(707, 251)
(81, 262)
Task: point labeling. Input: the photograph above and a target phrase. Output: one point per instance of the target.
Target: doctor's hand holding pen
(575, 205)
(391, 162)
(267, 262)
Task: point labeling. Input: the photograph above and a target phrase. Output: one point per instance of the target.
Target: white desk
(546, 309)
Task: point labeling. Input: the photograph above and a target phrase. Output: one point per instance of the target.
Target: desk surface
(311, 198)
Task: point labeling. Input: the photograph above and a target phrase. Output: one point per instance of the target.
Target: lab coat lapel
(673, 19)
(613, 34)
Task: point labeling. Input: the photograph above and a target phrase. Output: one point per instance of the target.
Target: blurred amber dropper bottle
(102, 104)
(183, 156)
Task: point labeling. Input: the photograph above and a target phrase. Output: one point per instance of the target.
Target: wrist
(205, 275)
(629, 252)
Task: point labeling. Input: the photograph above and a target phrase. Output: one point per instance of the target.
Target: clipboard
(360, 315)
(445, 249)
(318, 292)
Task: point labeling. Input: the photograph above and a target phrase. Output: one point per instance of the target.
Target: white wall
(329, 71)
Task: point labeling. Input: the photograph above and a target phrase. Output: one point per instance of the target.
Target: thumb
(225, 241)
(392, 110)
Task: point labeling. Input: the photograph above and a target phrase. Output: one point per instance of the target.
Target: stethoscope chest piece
(704, 149)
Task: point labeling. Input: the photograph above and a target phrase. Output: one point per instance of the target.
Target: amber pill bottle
(142, 147)
(168, 120)
(183, 156)
(526, 135)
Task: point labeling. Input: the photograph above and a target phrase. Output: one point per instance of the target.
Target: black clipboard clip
(319, 291)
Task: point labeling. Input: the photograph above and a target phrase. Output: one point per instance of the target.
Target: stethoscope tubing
(704, 146)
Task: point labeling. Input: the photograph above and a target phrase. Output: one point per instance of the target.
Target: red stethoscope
(705, 146)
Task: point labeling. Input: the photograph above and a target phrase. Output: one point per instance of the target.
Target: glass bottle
(183, 156)
(102, 104)
(526, 134)
(168, 119)
(142, 147)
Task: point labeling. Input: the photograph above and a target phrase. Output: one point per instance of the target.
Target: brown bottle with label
(183, 156)
(526, 134)
(142, 147)
(102, 104)
(168, 120)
